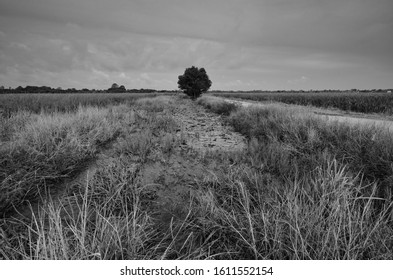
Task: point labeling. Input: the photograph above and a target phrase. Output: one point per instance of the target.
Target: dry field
(169, 178)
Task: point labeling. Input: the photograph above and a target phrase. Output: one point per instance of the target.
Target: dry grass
(362, 102)
(52, 103)
(306, 189)
(216, 105)
(303, 189)
(44, 148)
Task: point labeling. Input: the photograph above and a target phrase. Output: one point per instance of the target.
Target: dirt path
(204, 130)
(172, 180)
(329, 115)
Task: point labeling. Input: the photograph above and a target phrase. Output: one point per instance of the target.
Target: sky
(242, 44)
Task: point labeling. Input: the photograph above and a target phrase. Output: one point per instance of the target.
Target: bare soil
(205, 131)
(172, 180)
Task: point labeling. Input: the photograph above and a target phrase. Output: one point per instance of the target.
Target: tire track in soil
(56, 192)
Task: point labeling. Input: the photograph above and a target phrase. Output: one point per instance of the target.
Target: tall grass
(99, 220)
(306, 140)
(301, 190)
(362, 102)
(45, 148)
(304, 189)
(36, 103)
(217, 106)
(108, 217)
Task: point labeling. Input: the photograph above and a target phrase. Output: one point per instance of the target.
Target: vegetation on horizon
(115, 88)
(49, 103)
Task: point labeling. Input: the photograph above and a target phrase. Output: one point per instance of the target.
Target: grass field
(302, 189)
(362, 102)
(36, 103)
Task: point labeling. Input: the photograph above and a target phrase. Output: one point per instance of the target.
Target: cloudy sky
(242, 44)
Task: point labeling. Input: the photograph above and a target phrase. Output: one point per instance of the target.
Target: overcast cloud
(242, 44)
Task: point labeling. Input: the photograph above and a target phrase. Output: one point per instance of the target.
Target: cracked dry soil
(205, 131)
(171, 181)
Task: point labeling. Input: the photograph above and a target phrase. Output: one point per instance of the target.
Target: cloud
(261, 43)
(302, 79)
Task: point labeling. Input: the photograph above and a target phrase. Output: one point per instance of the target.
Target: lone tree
(194, 82)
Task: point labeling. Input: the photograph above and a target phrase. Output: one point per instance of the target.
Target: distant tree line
(115, 88)
(301, 91)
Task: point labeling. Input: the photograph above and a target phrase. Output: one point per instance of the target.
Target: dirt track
(173, 180)
(204, 130)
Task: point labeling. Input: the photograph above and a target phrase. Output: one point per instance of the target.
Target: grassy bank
(362, 102)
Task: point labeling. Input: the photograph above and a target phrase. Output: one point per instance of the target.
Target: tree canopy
(194, 82)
